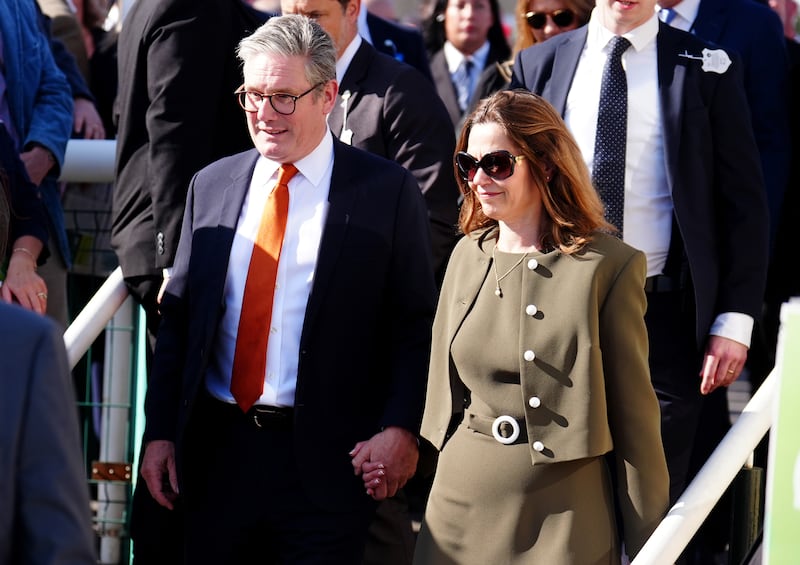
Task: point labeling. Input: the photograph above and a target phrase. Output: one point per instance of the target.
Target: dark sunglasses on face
(562, 18)
(499, 165)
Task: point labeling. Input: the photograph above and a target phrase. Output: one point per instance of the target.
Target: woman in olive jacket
(539, 395)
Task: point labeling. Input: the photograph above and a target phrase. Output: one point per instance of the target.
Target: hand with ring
(22, 284)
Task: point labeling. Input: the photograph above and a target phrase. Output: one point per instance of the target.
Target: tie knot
(667, 15)
(286, 172)
(618, 46)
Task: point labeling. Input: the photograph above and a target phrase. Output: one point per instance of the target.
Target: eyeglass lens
(499, 165)
(562, 18)
(281, 103)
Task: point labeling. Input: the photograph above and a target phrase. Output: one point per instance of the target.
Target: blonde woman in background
(537, 20)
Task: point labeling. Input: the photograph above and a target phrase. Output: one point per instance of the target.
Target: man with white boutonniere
(662, 121)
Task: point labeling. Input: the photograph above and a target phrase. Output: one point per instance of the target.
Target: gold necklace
(498, 292)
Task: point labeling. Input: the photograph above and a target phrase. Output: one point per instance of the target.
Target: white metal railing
(702, 494)
(95, 315)
(93, 161)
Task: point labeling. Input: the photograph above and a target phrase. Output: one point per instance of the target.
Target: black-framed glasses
(283, 103)
(562, 18)
(499, 165)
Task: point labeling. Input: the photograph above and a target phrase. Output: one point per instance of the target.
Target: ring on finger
(42, 295)
(731, 371)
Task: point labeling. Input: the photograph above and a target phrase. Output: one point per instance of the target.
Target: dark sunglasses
(499, 165)
(562, 18)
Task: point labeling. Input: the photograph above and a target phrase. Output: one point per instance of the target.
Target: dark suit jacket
(447, 90)
(364, 344)
(176, 112)
(395, 113)
(44, 498)
(401, 42)
(755, 32)
(711, 161)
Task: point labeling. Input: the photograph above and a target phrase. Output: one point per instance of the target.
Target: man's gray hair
(294, 35)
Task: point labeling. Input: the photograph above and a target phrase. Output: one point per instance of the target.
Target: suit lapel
(345, 186)
(565, 57)
(352, 82)
(709, 21)
(671, 79)
(470, 276)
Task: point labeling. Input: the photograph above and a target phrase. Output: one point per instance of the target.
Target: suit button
(538, 446)
(532, 264)
(531, 309)
(534, 402)
(529, 355)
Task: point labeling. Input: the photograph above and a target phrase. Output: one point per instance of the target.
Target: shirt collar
(313, 166)
(687, 9)
(640, 37)
(343, 62)
(454, 57)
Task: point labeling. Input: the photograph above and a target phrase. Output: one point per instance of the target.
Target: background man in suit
(389, 109)
(693, 196)
(401, 42)
(344, 367)
(754, 32)
(44, 499)
(175, 113)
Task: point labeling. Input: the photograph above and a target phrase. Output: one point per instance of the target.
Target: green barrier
(782, 522)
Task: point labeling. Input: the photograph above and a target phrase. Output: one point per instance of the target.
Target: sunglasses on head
(499, 165)
(562, 18)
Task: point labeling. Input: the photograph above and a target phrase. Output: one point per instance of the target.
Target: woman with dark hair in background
(463, 37)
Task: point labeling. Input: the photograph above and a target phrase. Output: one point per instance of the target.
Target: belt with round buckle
(501, 424)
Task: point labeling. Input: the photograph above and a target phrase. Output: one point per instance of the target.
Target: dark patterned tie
(608, 171)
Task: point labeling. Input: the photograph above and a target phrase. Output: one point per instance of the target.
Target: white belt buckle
(514, 427)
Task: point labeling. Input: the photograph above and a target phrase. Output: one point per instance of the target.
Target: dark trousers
(675, 364)
(156, 532)
(244, 500)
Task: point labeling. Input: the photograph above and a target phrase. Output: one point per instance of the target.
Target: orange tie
(250, 358)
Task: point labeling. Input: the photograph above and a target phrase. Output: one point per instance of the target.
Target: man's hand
(386, 461)
(158, 471)
(86, 121)
(724, 361)
(38, 161)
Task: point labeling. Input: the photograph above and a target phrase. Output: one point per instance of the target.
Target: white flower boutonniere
(714, 60)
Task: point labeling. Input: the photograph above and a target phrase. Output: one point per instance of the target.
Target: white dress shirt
(685, 14)
(648, 201)
(308, 208)
(454, 58)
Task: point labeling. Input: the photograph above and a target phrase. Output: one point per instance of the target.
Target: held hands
(158, 471)
(386, 461)
(724, 361)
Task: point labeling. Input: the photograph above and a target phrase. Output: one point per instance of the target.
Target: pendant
(498, 293)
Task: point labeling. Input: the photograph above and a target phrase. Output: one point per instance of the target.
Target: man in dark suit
(175, 113)
(389, 109)
(44, 498)
(269, 479)
(754, 32)
(401, 42)
(693, 196)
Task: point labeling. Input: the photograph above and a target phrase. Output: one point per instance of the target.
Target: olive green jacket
(583, 355)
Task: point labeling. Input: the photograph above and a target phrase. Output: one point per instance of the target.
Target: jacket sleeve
(642, 481)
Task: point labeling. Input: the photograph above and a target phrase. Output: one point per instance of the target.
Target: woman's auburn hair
(572, 208)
